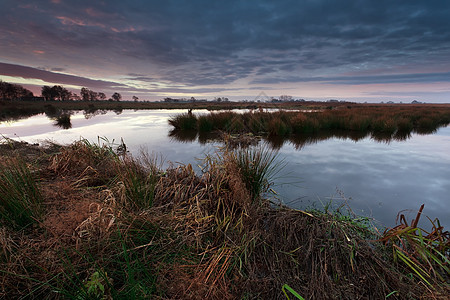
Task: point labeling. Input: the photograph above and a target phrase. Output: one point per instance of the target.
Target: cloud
(367, 79)
(52, 77)
(211, 43)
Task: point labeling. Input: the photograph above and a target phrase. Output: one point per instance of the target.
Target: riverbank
(105, 225)
(20, 109)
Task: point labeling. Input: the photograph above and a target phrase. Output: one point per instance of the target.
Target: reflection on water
(184, 136)
(63, 121)
(276, 142)
(379, 175)
(62, 117)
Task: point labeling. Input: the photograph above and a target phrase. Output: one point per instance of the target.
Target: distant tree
(75, 97)
(116, 97)
(66, 94)
(285, 98)
(101, 96)
(61, 93)
(135, 98)
(93, 96)
(48, 93)
(6, 91)
(9, 91)
(23, 92)
(84, 93)
(56, 92)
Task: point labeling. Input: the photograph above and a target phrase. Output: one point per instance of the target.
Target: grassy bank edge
(176, 234)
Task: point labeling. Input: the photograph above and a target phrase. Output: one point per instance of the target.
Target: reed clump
(114, 227)
(20, 195)
(185, 121)
(374, 120)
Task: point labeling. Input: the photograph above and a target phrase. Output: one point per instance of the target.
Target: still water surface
(376, 179)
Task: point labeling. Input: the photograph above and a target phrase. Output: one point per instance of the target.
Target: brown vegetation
(206, 236)
(393, 121)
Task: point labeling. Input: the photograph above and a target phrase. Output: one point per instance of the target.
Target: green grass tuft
(139, 182)
(20, 196)
(258, 167)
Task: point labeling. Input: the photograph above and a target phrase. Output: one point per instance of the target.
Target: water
(376, 179)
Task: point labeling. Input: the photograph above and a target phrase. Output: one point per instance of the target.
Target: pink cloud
(70, 21)
(127, 29)
(91, 12)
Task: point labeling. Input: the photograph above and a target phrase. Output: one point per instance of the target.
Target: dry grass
(208, 235)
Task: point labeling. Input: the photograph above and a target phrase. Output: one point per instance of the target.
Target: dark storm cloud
(206, 42)
(47, 76)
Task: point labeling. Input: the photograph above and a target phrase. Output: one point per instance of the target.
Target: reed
(185, 121)
(222, 120)
(424, 253)
(278, 128)
(376, 120)
(204, 124)
(20, 195)
(138, 182)
(236, 124)
(256, 122)
(258, 168)
(405, 125)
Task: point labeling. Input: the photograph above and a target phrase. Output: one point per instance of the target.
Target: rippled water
(376, 179)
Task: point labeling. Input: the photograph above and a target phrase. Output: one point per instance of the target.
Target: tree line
(9, 91)
(58, 92)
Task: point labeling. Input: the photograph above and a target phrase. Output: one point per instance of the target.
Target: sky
(359, 51)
